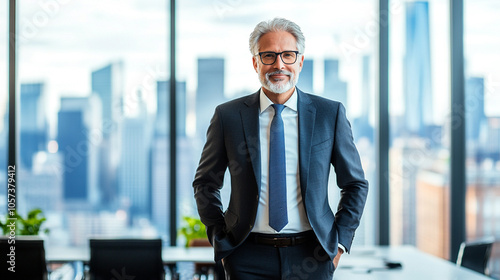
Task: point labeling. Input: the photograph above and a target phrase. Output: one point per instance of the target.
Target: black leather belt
(282, 240)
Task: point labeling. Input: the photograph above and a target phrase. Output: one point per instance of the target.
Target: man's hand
(337, 258)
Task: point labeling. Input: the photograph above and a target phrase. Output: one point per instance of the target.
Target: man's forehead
(277, 38)
(278, 33)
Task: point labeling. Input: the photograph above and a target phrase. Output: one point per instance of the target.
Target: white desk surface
(416, 264)
(364, 263)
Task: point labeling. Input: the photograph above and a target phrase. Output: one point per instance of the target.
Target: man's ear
(254, 61)
(301, 62)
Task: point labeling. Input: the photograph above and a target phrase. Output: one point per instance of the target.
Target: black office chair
(27, 255)
(126, 259)
(476, 254)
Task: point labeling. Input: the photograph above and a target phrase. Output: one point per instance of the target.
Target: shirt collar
(265, 102)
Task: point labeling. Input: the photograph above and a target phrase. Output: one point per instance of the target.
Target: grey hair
(276, 24)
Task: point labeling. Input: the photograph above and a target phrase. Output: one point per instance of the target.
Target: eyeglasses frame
(280, 55)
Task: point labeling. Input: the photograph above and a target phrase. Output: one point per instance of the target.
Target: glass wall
(482, 116)
(93, 101)
(4, 99)
(89, 124)
(215, 65)
(419, 105)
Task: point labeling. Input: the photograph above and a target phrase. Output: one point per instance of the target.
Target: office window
(215, 65)
(482, 117)
(4, 99)
(420, 125)
(88, 130)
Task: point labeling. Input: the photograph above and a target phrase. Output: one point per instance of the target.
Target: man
(278, 145)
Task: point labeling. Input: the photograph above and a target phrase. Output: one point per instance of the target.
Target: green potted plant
(194, 231)
(30, 225)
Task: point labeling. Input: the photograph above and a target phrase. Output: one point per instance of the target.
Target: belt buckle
(281, 241)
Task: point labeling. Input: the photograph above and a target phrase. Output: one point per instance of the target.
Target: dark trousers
(253, 261)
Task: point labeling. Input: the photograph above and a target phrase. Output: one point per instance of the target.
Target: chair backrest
(26, 254)
(475, 255)
(126, 259)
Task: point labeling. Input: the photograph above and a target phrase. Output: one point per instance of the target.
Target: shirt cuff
(343, 248)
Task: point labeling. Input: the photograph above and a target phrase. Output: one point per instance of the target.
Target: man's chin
(277, 87)
(278, 90)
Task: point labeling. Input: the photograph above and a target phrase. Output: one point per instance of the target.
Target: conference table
(374, 264)
(366, 263)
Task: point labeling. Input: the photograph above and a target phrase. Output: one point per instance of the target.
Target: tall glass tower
(305, 82)
(335, 89)
(33, 125)
(210, 91)
(417, 69)
(77, 117)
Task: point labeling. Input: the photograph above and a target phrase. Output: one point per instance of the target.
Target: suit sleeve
(209, 180)
(350, 179)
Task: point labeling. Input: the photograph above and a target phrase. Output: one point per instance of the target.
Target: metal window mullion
(383, 125)
(12, 134)
(173, 130)
(457, 154)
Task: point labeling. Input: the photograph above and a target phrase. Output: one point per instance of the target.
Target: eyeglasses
(269, 58)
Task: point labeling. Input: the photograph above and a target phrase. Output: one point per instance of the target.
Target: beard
(278, 88)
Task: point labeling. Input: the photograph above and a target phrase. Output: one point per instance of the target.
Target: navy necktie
(278, 217)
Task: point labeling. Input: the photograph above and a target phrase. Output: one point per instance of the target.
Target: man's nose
(278, 64)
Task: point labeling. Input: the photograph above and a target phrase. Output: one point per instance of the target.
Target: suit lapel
(250, 120)
(307, 116)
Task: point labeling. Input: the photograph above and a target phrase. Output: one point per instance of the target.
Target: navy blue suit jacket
(325, 140)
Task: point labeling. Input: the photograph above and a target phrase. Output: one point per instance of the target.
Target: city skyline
(85, 182)
(70, 104)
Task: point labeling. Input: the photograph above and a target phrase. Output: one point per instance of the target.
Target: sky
(62, 41)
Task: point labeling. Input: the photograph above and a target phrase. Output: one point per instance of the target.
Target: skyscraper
(160, 152)
(133, 178)
(77, 118)
(476, 118)
(403, 179)
(160, 177)
(417, 69)
(432, 205)
(107, 84)
(209, 92)
(367, 87)
(43, 186)
(305, 82)
(162, 123)
(361, 125)
(33, 124)
(335, 89)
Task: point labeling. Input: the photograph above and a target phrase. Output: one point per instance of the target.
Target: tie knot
(278, 108)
